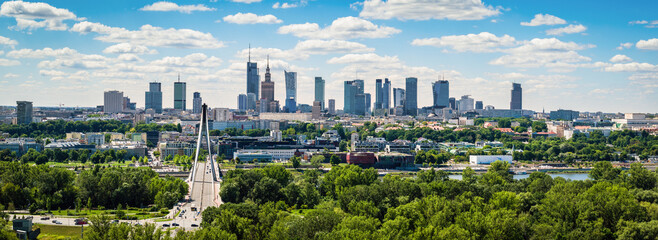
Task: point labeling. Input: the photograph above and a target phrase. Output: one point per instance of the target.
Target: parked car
(115, 221)
(165, 225)
(58, 222)
(54, 221)
(195, 225)
(45, 218)
(175, 225)
(80, 221)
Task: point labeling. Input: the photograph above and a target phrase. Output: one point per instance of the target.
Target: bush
(164, 211)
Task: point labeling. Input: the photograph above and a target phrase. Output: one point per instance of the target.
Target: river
(568, 176)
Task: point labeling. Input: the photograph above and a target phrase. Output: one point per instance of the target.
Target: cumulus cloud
(631, 67)
(34, 15)
(427, 9)
(544, 19)
(11, 75)
(622, 46)
(192, 60)
(566, 30)
(482, 42)
(341, 28)
(7, 62)
(306, 48)
(164, 6)
(544, 52)
(651, 44)
(42, 53)
(250, 18)
(149, 35)
(620, 58)
(123, 48)
(7, 41)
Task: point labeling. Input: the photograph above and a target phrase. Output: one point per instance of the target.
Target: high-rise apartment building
(440, 92)
(197, 102)
(319, 91)
(411, 101)
(332, 106)
(153, 98)
(113, 102)
(242, 102)
(398, 97)
(180, 95)
(466, 103)
(267, 86)
(517, 97)
(23, 112)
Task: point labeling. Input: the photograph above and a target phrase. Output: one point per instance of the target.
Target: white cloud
(246, 1)
(7, 41)
(647, 24)
(8, 63)
(27, 14)
(567, 30)
(284, 5)
(427, 9)
(149, 35)
(620, 58)
(42, 53)
(631, 67)
(341, 28)
(539, 84)
(250, 18)
(544, 52)
(624, 45)
(192, 60)
(544, 19)
(482, 42)
(11, 75)
(306, 48)
(51, 73)
(164, 6)
(122, 48)
(651, 44)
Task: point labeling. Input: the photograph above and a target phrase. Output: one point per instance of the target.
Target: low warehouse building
(488, 159)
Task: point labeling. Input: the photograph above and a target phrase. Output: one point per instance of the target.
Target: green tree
(334, 160)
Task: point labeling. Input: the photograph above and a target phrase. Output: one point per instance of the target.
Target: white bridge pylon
(203, 127)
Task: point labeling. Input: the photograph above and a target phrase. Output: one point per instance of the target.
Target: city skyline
(562, 59)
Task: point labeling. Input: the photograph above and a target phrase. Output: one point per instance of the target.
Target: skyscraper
(440, 90)
(23, 112)
(379, 94)
(368, 104)
(332, 106)
(180, 95)
(113, 102)
(242, 102)
(267, 86)
(411, 101)
(453, 103)
(479, 105)
(319, 91)
(291, 85)
(386, 95)
(354, 97)
(153, 98)
(398, 97)
(466, 103)
(251, 101)
(517, 99)
(196, 103)
(252, 78)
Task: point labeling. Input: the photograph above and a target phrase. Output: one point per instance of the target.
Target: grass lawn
(58, 232)
(85, 213)
(163, 220)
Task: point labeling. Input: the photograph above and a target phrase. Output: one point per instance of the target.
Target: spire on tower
(268, 61)
(178, 77)
(249, 52)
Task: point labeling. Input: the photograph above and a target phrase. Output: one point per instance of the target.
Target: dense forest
(353, 203)
(23, 186)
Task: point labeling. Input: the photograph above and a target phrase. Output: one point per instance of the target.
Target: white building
(113, 102)
(488, 159)
(221, 114)
(286, 116)
(466, 103)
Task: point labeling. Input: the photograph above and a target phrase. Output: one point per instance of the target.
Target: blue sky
(581, 55)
